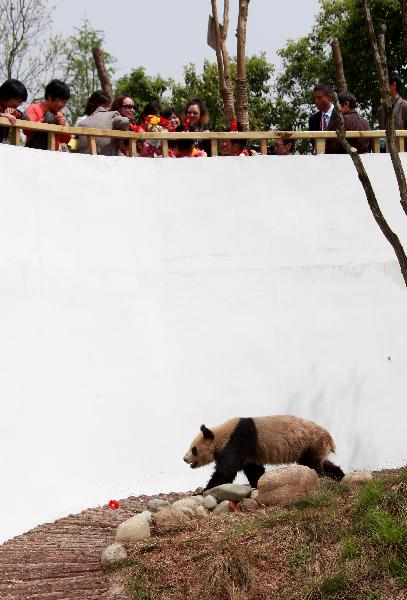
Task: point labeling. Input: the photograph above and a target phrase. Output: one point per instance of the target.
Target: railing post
(15, 136)
(320, 146)
(263, 146)
(52, 142)
(375, 144)
(132, 147)
(165, 148)
(214, 147)
(92, 149)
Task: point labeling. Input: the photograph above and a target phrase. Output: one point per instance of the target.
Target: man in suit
(326, 118)
(399, 105)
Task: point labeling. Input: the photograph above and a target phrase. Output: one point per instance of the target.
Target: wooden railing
(263, 137)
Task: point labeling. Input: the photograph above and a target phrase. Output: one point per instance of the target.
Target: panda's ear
(207, 433)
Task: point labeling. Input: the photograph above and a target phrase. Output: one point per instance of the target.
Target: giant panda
(247, 444)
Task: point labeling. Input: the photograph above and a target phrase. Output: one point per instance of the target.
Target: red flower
(136, 128)
(113, 504)
(164, 122)
(233, 505)
(186, 125)
(233, 125)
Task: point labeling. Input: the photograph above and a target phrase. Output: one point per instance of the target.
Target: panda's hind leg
(312, 459)
(253, 473)
(333, 471)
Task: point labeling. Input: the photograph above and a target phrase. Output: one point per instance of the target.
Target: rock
(286, 485)
(254, 495)
(156, 504)
(210, 502)
(170, 520)
(248, 505)
(357, 477)
(188, 504)
(146, 515)
(229, 491)
(112, 555)
(201, 511)
(133, 529)
(222, 508)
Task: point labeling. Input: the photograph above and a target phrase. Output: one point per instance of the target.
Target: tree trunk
(391, 237)
(379, 53)
(222, 58)
(242, 93)
(102, 71)
(340, 73)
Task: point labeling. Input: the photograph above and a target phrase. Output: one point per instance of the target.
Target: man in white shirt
(326, 118)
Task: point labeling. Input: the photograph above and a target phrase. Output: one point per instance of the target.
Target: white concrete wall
(140, 298)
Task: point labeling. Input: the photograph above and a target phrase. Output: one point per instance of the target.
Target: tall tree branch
(340, 73)
(242, 92)
(379, 54)
(389, 234)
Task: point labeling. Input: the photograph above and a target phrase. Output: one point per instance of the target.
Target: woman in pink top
(56, 97)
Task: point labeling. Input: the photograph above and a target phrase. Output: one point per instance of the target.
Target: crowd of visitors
(103, 112)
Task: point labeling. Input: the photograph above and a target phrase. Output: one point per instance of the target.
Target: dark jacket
(315, 124)
(400, 115)
(353, 122)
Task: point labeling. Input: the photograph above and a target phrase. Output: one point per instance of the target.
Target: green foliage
(142, 88)
(334, 585)
(350, 548)
(81, 74)
(299, 557)
(308, 60)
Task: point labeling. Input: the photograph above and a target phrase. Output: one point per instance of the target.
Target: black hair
(96, 99)
(184, 145)
(152, 108)
(12, 88)
(347, 97)
(57, 89)
(325, 88)
(118, 101)
(394, 77)
(168, 112)
(203, 110)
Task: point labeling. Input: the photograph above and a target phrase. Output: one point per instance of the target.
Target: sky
(163, 36)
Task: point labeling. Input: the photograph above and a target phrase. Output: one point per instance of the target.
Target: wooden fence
(263, 137)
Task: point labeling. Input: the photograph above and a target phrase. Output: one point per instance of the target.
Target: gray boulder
(229, 491)
(113, 554)
(133, 529)
(222, 508)
(155, 504)
(357, 477)
(248, 505)
(210, 502)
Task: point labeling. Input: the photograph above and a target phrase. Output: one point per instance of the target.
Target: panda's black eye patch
(194, 451)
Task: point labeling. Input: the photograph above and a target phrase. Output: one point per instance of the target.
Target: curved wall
(141, 298)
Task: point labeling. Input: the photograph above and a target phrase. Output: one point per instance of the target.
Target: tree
(142, 88)
(28, 50)
(242, 92)
(205, 85)
(308, 59)
(380, 61)
(222, 57)
(80, 69)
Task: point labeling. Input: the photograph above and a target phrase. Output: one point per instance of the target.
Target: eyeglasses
(129, 106)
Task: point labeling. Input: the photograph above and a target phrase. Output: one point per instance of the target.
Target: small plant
(371, 496)
(320, 500)
(397, 569)
(384, 528)
(299, 557)
(335, 584)
(350, 548)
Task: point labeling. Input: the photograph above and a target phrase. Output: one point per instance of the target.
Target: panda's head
(202, 449)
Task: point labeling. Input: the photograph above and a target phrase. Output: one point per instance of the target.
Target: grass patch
(322, 499)
(299, 557)
(350, 548)
(226, 576)
(332, 586)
